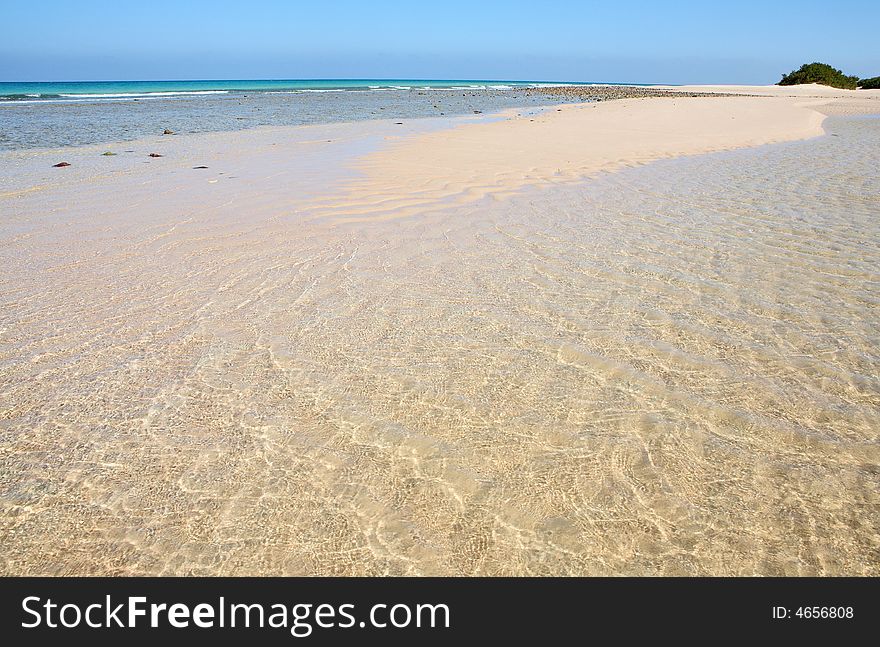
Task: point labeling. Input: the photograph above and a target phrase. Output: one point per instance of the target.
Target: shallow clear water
(666, 370)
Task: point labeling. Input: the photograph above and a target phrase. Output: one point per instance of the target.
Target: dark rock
(197, 167)
(168, 132)
(155, 155)
(61, 164)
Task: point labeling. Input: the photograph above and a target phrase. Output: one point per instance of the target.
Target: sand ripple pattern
(667, 370)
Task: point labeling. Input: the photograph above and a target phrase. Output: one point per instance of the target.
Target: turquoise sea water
(109, 90)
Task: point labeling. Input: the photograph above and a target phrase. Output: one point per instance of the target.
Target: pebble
(609, 92)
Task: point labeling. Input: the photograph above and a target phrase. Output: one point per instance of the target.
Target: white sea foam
(51, 101)
(128, 95)
(78, 99)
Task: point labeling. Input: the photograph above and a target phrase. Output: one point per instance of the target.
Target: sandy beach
(563, 144)
(625, 337)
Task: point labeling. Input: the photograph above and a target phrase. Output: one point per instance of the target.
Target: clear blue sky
(739, 41)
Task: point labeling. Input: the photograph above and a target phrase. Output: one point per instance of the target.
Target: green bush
(870, 84)
(820, 73)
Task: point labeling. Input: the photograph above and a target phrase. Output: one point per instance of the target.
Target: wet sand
(317, 357)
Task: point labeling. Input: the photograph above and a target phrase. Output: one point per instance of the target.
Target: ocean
(67, 91)
(58, 114)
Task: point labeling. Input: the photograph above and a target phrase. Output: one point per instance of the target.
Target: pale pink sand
(563, 144)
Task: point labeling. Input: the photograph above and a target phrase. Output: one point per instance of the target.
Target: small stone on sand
(61, 164)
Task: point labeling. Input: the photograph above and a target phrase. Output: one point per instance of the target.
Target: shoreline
(553, 95)
(461, 157)
(561, 145)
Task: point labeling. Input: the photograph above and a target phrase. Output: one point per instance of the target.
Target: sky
(739, 41)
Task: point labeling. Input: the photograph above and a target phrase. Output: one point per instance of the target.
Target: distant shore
(599, 92)
(609, 92)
